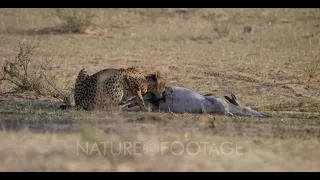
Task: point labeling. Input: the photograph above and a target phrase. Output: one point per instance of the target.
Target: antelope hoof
(230, 114)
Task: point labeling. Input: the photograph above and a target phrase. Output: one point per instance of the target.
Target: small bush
(75, 20)
(16, 70)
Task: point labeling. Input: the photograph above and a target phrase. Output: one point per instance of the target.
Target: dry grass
(274, 69)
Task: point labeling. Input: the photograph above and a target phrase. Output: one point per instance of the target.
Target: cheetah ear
(154, 76)
(157, 75)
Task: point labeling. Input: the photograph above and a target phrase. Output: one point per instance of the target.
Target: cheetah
(114, 87)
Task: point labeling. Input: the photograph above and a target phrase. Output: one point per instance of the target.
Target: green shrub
(16, 70)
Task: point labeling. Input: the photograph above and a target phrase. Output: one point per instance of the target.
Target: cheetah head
(156, 84)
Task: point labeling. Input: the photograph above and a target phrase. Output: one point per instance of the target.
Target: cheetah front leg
(141, 101)
(138, 92)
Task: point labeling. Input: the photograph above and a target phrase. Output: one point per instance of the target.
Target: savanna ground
(267, 57)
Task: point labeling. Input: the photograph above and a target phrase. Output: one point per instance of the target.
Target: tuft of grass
(75, 20)
(312, 69)
(222, 29)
